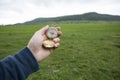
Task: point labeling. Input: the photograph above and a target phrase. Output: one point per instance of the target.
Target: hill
(91, 16)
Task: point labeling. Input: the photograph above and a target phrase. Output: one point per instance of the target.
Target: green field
(88, 51)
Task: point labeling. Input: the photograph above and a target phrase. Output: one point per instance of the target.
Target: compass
(51, 33)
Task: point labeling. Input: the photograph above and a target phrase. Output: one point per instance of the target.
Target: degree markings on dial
(52, 33)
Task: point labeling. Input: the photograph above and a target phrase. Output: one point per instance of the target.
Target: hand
(35, 44)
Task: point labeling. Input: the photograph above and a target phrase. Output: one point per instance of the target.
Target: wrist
(32, 51)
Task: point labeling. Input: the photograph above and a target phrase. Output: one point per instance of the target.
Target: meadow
(88, 51)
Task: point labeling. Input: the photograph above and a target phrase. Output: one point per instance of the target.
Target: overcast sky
(16, 11)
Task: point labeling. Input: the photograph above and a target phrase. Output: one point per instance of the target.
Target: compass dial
(52, 33)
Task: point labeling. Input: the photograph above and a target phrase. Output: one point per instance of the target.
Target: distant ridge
(91, 16)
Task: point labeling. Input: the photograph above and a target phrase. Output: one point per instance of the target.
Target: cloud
(14, 11)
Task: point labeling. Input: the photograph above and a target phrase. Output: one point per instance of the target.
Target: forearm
(19, 66)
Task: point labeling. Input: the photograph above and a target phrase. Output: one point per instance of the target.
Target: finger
(59, 33)
(56, 40)
(57, 45)
(58, 28)
(44, 29)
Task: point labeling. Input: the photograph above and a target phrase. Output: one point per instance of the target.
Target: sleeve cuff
(26, 58)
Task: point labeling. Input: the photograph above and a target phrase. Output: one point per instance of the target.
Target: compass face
(52, 33)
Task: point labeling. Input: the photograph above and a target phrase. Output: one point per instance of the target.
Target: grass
(88, 51)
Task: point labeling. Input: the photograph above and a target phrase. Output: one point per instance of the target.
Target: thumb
(44, 29)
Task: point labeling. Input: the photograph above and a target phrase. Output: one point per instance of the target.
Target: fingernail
(47, 26)
(56, 40)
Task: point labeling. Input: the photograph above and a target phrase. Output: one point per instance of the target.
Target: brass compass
(51, 33)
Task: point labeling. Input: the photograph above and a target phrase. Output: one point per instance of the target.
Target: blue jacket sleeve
(19, 66)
